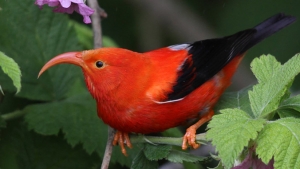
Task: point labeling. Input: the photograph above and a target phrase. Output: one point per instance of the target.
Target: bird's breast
(148, 116)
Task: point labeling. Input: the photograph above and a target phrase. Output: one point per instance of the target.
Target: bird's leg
(190, 135)
(120, 138)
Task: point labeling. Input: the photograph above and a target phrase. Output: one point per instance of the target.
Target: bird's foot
(121, 138)
(189, 139)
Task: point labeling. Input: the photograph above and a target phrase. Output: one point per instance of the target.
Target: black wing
(208, 57)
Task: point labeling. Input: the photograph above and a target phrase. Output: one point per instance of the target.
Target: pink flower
(69, 6)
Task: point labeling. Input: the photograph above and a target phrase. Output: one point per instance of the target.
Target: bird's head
(104, 68)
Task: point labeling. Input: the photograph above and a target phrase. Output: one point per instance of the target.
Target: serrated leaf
(288, 113)
(231, 131)
(265, 97)
(141, 162)
(75, 116)
(265, 68)
(291, 103)
(239, 99)
(180, 156)
(32, 40)
(280, 139)
(156, 152)
(11, 68)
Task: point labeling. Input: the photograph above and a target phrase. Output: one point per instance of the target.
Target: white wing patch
(165, 102)
(180, 47)
(169, 101)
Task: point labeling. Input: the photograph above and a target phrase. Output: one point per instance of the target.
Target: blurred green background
(150, 24)
(32, 36)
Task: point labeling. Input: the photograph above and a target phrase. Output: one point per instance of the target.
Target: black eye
(99, 64)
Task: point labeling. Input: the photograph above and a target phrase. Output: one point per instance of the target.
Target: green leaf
(75, 116)
(63, 108)
(190, 165)
(85, 36)
(118, 157)
(109, 42)
(180, 156)
(11, 68)
(172, 132)
(291, 103)
(265, 68)
(25, 149)
(141, 162)
(238, 100)
(231, 131)
(32, 40)
(265, 97)
(32, 43)
(288, 113)
(290, 107)
(280, 139)
(156, 152)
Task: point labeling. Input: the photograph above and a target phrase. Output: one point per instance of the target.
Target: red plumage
(153, 91)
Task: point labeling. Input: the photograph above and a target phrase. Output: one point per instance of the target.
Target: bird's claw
(189, 139)
(121, 138)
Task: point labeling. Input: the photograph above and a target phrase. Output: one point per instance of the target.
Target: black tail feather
(269, 27)
(210, 56)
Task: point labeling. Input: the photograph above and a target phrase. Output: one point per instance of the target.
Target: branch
(175, 141)
(108, 148)
(96, 24)
(12, 115)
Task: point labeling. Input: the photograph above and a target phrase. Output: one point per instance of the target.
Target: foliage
(60, 128)
(57, 102)
(11, 68)
(85, 36)
(237, 130)
(148, 156)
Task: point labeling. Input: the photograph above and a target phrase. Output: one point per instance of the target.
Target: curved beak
(70, 58)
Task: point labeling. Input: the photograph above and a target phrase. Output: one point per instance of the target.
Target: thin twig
(108, 148)
(12, 115)
(175, 141)
(96, 24)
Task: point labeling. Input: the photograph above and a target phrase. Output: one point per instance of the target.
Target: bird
(164, 88)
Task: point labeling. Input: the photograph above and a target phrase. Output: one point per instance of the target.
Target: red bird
(164, 88)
